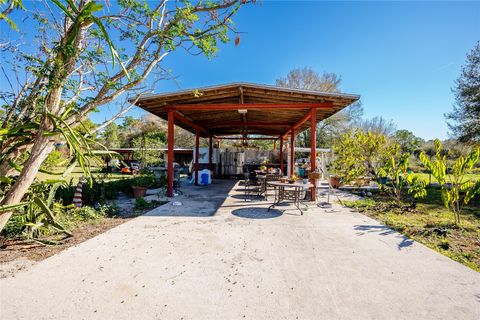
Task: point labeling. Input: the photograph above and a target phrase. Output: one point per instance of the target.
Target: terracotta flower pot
(335, 181)
(139, 192)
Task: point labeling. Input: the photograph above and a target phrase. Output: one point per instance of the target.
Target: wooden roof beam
(189, 123)
(270, 106)
(248, 138)
(305, 118)
(247, 123)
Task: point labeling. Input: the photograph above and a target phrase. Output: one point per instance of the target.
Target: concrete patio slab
(219, 257)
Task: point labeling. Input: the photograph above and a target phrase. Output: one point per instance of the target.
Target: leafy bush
(102, 190)
(33, 224)
(85, 214)
(14, 226)
(141, 204)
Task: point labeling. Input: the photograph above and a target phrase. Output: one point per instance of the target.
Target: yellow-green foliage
(371, 153)
(395, 167)
(457, 189)
(358, 153)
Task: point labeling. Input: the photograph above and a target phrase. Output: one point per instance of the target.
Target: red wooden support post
(171, 142)
(210, 153)
(313, 149)
(197, 151)
(281, 155)
(292, 151)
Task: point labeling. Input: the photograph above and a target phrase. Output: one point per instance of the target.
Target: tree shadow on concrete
(384, 231)
(196, 201)
(251, 198)
(257, 213)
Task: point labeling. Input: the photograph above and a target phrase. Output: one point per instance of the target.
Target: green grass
(423, 221)
(426, 177)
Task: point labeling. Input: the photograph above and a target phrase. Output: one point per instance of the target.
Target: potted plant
(335, 181)
(139, 191)
(345, 169)
(140, 186)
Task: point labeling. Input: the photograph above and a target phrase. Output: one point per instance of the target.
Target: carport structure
(244, 111)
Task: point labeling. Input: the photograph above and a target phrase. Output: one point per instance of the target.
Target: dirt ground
(20, 254)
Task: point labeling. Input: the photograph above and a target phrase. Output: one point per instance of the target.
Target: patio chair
(251, 187)
(270, 177)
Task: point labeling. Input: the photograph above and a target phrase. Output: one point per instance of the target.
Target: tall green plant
(395, 167)
(457, 189)
(348, 162)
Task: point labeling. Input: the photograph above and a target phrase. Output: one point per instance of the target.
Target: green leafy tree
(348, 159)
(408, 141)
(358, 153)
(148, 143)
(465, 117)
(63, 75)
(111, 136)
(457, 189)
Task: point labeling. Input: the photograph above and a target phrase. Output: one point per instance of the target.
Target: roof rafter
(203, 107)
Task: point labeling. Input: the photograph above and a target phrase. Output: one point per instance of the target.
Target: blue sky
(401, 57)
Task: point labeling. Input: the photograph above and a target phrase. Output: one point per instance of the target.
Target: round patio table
(290, 192)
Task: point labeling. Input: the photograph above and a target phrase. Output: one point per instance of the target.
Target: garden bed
(430, 223)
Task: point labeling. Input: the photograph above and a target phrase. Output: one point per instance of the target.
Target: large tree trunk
(41, 149)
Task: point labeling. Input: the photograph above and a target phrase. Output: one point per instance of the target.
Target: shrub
(102, 190)
(14, 226)
(141, 204)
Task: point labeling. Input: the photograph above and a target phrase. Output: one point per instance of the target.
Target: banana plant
(457, 189)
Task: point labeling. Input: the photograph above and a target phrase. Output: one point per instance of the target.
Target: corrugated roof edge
(247, 84)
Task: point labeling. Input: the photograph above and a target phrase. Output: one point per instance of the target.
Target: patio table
(291, 192)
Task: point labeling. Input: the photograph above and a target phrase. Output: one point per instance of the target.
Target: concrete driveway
(180, 262)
